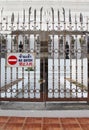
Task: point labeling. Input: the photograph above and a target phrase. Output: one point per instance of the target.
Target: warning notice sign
(20, 59)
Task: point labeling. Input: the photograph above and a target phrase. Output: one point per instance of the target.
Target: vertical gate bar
(82, 61)
(41, 74)
(18, 22)
(6, 57)
(1, 24)
(44, 87)
(71, 67)
(82, 71)
(76, 53)
(29, 71)
(34, 67)
(41, 18)
(82, 76)
(41, 91)
(29, 20)
(23, 82)
(11, 67)
(11, 81)
(29, 51)
(64, 66)
(58, 14)
(87, 23)
(64, 56)
(53, 48)
(23, 67)
(88, 67)
(6, 69)
(34, 52)
(17, 91)
(6, 23)
(76, 66)
(5, 79)
(53, 66)
(17, 70)
(17, 50)
(12, 28)
(70, 36)
(59, 66)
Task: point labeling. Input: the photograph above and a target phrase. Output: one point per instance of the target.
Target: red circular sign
(12, 60)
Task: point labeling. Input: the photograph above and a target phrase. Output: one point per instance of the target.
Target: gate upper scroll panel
(58, 70)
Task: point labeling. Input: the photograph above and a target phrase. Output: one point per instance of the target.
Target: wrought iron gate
(60, 71)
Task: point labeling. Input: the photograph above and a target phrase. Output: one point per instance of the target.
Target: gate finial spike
(23, 15)
(70, 16)
(64, 14)
(58, 16)
(18, 19)
(52, 14)
(12, 18)
(29, 14)
(41, 13)
(81, 18)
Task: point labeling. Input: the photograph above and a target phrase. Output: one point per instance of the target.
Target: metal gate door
(67, 69)
(44, 64)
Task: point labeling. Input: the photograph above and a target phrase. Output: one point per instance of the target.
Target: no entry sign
(12, 60)
(20, 59)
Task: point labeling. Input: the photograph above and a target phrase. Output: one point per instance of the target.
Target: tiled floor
(30, 123)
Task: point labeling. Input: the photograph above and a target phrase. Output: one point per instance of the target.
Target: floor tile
(33, 120)
(85, 126)
(4, 119)
(51, 120)
(51, 127)
(38, 123)
(13, 126)
(32, 127)
(16, 120)
(83, 120)
(1, 124)
(71, 127)
(68, 120)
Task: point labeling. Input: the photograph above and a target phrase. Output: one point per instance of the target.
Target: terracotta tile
(71, 129)
(13, 126)
(33, 120)
(83, 120)
(32, 127)
(70, 126)
(16, 120)
(1, 125)
(68, 120)
(85, 126)
(51, 127)
(16, 123)
(51, 120)
(4, 118)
